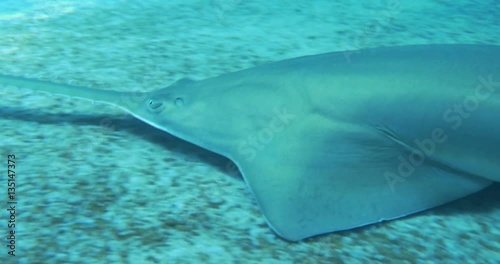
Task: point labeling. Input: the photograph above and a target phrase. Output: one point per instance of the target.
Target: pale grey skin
(328, 144)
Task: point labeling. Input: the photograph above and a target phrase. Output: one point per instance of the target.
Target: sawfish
(326, 143)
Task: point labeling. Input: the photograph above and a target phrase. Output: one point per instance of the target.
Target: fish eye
(155, 105)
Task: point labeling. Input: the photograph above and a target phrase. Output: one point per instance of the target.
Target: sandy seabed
(97, 186)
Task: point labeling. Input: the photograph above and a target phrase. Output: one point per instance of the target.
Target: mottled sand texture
(97, 186)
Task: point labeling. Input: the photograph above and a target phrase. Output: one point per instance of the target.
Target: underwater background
(95, 185)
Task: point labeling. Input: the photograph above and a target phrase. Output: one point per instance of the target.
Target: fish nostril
(179, 101)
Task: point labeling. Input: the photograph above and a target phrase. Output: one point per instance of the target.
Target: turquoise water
(13, 6)
(97, 186)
